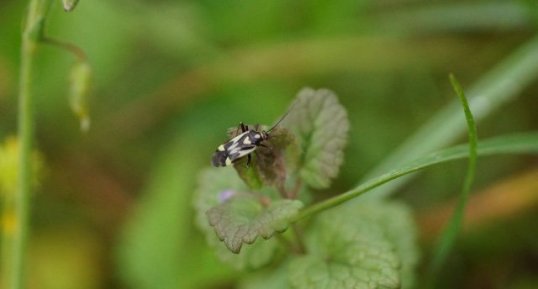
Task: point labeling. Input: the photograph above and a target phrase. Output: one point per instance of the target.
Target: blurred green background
(113, 206)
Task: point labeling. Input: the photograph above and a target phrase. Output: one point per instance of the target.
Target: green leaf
(515, 144)
(399, 227)
(244, 217)
(321, 125)
(216, 186)
(158, 248)
(369, 245)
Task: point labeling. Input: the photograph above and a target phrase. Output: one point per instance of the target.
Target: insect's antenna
(282, 118)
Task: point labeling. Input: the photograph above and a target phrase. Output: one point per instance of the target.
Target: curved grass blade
(500, 85)
(448, 236)
(526, 143)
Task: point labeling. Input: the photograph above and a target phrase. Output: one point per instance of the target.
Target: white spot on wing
(221, 148)
(237, 138)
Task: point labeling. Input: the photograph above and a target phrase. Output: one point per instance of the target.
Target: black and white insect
(242, 145)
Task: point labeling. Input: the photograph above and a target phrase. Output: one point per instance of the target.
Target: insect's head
(260, 136)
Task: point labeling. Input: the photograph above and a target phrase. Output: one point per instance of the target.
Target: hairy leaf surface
(243, 218)
(321, 125)
(368, 245)
(216, 188)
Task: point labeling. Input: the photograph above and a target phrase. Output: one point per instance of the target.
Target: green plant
(365, 244)
(18, 204)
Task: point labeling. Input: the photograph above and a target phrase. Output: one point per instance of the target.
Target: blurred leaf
(532, 7)
(460, 16)
(249, 174)
(215, 187)
(158, 248)
(364, 246)
(321, 125)
(244, 217)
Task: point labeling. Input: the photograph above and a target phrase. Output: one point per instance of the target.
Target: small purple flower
(226, 195)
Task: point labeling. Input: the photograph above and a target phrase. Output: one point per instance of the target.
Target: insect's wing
(219, 159)
(241, 152)
(236, 148)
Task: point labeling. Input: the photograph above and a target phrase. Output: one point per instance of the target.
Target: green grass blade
(499, 86)
(448, 236)
(514, 144)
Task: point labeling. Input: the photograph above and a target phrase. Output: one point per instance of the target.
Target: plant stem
(34, 23)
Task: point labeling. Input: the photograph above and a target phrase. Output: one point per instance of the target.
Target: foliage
(362, 245)
(321, 124)
(164, 79)
(362, 253)
(369, 245)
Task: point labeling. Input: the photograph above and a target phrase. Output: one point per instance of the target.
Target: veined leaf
(397, 223)
(362, 246)
(217, 187)
(321, 125)
(244, 217)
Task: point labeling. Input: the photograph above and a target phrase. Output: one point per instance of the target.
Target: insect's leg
(249, 159)
(243, 127)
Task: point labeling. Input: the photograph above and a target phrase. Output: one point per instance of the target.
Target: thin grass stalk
(17, 266)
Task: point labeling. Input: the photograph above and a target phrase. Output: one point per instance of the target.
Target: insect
(242, 145)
